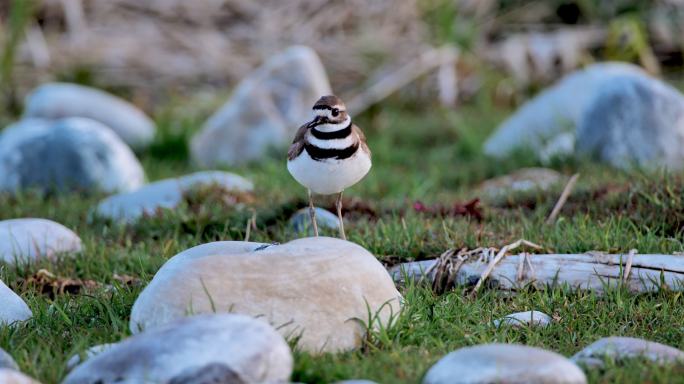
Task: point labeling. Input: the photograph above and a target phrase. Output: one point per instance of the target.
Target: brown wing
(362, 138)
(298, 143)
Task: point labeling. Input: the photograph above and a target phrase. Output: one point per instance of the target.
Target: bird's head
(329, 110)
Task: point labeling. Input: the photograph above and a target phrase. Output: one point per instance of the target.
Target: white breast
(329, 177)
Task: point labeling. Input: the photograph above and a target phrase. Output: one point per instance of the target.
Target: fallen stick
(588, 271)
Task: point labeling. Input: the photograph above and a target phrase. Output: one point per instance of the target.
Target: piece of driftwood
(592, 271)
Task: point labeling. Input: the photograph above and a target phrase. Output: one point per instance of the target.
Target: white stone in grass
(30, 239)
(211, 348)
(6, 361)
(166, 194)
(87, 354)
(522, 180)
(60, 100)
(318, 290)
(64, 155)
(12, 308)
(301, 220)
(504, 363)
(623, 348)
(524, 319)
(10, 376)
(265, 110)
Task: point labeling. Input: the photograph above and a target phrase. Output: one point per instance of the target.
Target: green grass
(427, 154)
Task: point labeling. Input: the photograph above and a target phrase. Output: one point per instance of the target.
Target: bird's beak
(316, 121)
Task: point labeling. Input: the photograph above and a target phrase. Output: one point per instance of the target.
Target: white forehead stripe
(331, 127)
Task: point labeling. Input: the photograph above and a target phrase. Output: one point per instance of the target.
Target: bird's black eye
(335, 112)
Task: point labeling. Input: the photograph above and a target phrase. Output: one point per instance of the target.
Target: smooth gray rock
(634, 121)
(523, 319)
(69, 154)
(265, 110)
(522, 180)
(168, 193)
(28, 239)
(202, 346)
(301, 221)
(6, 361)
(504, 363)
(623, 348)
(60, 100)
(12, 308)
(79, 358)
(547, 123)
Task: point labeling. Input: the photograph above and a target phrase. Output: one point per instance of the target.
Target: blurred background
(153, 50)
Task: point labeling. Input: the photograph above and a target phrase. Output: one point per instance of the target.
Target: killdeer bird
(329, 154)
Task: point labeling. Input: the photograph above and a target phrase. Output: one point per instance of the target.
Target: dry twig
(562, 199)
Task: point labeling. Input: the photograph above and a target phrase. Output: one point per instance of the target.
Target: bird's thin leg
(312, 213)
(338, 204)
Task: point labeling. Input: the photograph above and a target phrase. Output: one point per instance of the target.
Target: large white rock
(504, 363)
(60, 100)
(265, 110)
(12, 307)
(69, 154)
(621, 348)
(31, 239)
(10, 376)
(634, 121)
(311, 288)
(168, 193)
(220, 347)
(546, 120)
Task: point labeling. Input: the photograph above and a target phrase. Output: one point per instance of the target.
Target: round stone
(265, 109)
(73, 154)
(60, 100)
(6, 361)
(523, 319)
(12, 307)
(167, 194)
(220, 347)
(87, 354)
(26, 240)
(308, 289)
(621, 348)
(522, 180)
(504, 363)
(301, 220)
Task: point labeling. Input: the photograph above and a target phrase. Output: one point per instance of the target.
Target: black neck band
(339, 134)
(317, 153)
